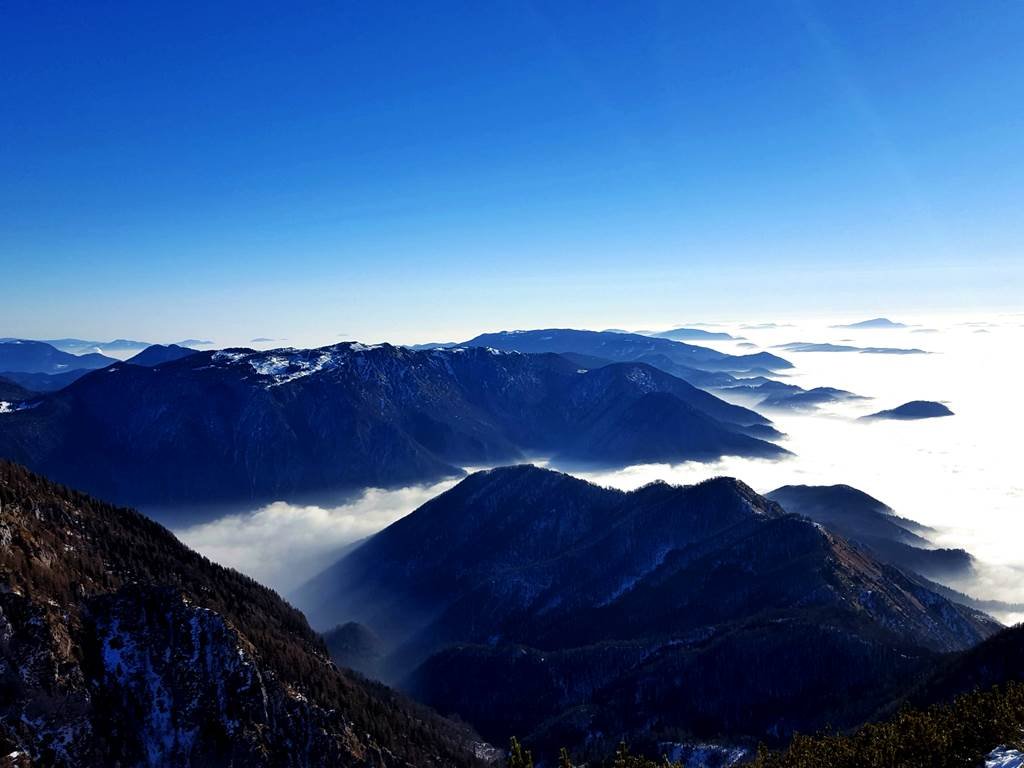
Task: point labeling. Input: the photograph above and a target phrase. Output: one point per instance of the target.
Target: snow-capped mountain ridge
(241, 425)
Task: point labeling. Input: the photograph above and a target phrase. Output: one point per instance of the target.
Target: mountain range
(662, 613)
(805, 346)
(693, 334)
(241, 426)
(779, 395)
(40, 367)
(697, 365)
(865, 520)
(21, 356)
(120, 646)
(117, 347)
(675, 357)
(83, 346)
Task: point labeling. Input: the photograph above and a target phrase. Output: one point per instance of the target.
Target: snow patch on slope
(282, 366)
(703, 755)
(1002, 757)
(6, 407)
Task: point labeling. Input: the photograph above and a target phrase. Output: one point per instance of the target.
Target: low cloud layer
(282, 545)
(960, 475)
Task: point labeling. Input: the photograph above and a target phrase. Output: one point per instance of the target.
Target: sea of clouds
(283, 545)
(961, 474)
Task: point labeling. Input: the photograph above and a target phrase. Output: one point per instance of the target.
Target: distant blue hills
(875, 322)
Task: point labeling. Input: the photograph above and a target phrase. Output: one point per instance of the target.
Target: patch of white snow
(1002, 757)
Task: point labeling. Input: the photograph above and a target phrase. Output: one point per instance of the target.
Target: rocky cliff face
(121, 647)
(152, 679)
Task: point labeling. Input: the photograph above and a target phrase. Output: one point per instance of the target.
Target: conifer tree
(517, 756)
(621, 756)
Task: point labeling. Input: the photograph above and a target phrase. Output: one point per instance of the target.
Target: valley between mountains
(702, 622)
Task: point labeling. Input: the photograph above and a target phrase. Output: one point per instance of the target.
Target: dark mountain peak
(519, 473)
(499, 483)
(667, 517)
(157, 354)
(839, 497)
(515, 480)
(673, 356)
(578, 597)
(862, 518)
(528, 517)
(719, 486)
(517, 498)
(915, 409)
(530, 490)
(527, 487)
(712, 489)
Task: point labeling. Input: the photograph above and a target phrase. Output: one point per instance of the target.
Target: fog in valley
(960, 474)
(283, 545)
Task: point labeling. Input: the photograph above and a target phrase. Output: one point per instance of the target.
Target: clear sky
(425, 170)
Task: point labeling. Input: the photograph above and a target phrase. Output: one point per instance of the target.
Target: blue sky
(416, 171)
